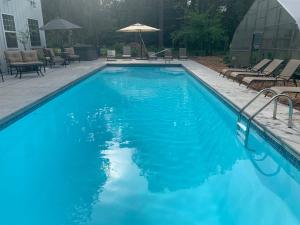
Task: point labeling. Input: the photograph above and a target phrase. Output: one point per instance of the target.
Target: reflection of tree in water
(186, 155)
(85, 134)
(180, 167)
(84, 139)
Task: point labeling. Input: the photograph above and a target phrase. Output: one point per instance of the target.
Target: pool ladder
(243, 128)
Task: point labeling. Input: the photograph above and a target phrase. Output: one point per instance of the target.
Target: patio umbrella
(59, 24)
(139, 28)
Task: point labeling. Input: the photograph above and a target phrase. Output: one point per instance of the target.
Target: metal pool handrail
(275, 99)
(264, 91)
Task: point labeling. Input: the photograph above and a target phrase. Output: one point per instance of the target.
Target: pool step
(241, 126)
(241, 136)
(241, 132)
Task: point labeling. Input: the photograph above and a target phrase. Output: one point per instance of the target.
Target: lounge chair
(259, 66)
(152, 55)
(111, 55)
(182, 54)
(285, 76)
(168, 55)
(54, 59)
(286, 90)
(268, 71)
(70, 55)
(126, 52)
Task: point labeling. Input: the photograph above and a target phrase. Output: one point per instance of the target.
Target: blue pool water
(141, 146)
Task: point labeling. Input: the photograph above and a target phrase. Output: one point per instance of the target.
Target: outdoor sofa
(25, 60)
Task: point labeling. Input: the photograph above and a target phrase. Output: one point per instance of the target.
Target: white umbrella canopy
(138, 28)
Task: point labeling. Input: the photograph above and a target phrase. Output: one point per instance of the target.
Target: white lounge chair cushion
(236, 74)
(251, 79)
(283, 89)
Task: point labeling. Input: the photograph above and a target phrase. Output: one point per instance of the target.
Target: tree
(161, 23)
(177, 19)
(202, 32)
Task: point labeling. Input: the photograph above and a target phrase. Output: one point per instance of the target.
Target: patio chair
(168, 55)
(285, 76)
(268, 71)
(152, 56)
(2, 78)
(54, 59)
(126, 52)
(258, 67)
(111, 55)
(42, 57)
(12, 58)
(182, 54)
(70, 55)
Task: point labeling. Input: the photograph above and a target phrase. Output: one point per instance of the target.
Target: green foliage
(202, 32)
(197, 24)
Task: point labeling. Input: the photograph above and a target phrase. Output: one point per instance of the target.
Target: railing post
(275, 108)
(291, 108)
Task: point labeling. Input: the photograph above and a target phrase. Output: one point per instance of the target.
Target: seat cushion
(73, 56)
(251, 79)
(13, 56)
(30, 56)
(245, 74)
(49, 52)
(70, 51)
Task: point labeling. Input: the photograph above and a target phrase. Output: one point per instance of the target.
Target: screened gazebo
(269, 29)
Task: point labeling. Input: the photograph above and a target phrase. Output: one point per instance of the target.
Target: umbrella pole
(142, 44)
(140, 33)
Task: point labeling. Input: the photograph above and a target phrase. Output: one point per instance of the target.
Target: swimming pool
(141, 146)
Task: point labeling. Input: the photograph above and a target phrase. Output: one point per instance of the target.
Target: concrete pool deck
(18, 95)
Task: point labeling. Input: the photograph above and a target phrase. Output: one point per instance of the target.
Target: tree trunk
(161, 24)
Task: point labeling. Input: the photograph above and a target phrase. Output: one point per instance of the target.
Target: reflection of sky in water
(134, 146)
